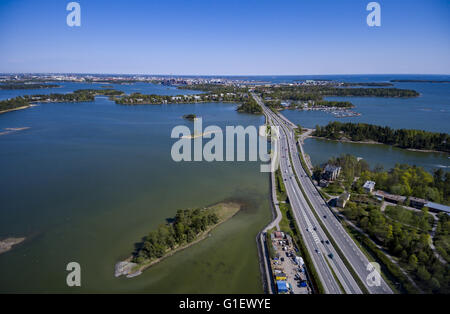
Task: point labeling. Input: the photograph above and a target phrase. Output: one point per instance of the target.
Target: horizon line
(236, 75)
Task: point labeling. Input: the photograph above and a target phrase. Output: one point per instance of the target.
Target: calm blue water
(88, 180)
(430, 111)
(68, 87)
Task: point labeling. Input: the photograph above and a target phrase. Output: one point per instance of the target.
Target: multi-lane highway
(325, 258)
(328, 264)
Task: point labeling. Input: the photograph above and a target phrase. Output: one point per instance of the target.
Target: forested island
(12, 86)
(81, 95)
(316, 93)
(403, 138)
(188, 227)
(152, 99)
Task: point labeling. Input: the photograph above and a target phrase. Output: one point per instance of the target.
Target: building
(331, 172)
(282, 286)
(342, 200)
(417, 202)
(391, 198)
(279, 235)
(369, 186)
(435, 207)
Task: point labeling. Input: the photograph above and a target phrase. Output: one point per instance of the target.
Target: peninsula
(188, 227)
(402, 138)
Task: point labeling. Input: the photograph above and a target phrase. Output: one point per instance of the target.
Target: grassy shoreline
(224, 211)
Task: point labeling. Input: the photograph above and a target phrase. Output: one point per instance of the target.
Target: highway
(312, 234)
(350, 250)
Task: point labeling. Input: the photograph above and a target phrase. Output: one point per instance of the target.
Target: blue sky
(228, 37)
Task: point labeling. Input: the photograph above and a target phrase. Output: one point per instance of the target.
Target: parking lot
(288, 265)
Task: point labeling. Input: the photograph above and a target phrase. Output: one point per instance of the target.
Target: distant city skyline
(227, 38)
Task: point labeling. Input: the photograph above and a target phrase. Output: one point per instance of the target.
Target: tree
(423, 274)
(412, 261)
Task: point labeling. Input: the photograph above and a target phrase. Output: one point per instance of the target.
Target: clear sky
(226, 37)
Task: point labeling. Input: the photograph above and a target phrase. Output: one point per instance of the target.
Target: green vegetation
(215, 88)
(410, 181)
(14, 103)
(421, 220)
(331, 239)
(298, 131)
(250, 106)
(316, 93)
(402, 180)
(281, 190)
(27, 86)
(81, 95)
(351, 167)
(392, 271)
(186, 227)
(442, 237)
(269, 244)
(403, 138)
(334, 189)
(409, 245)
(402, 233)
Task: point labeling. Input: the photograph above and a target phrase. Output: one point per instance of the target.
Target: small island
(7, 244)
(190, 117)
(188, 227)
(81, 95)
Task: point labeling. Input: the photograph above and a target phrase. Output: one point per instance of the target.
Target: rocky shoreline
(7, 244)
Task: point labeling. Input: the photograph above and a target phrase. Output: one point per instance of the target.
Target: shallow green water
(87, 181)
